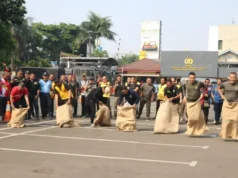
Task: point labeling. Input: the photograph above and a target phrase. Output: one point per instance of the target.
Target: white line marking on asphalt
(193, 163)
(118, 141)
(100, 157)
(36, 123)
(32, 131)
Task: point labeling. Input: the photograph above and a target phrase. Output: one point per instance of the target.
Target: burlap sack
(126, 119)
(196, 124)
(17, 118)
(167, 118)
(64, 116)
(102, 116)
(229, 129)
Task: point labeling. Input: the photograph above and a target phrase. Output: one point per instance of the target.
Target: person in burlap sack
(126, 115)
(64, 110)
(95, 97)
(229, 129)
(20, 105)
(167, 119)
(193, 94)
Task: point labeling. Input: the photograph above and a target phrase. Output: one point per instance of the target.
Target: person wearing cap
(95, 97)
(45, 99)
(83, 86)
(18, 79)
(19, 97)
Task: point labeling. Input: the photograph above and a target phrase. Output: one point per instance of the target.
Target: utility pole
(118, 49)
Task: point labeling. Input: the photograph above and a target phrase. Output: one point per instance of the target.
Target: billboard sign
(151, 38)
(180, 63)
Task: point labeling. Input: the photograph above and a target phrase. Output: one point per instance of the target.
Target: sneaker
(138, 117)
(147, 119)
(214, 121)
(92, 125)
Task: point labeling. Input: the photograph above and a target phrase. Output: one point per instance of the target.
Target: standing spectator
(218, 101)
(160, 95)
(147, 94)
(5, 90)
(103, 84)
(45, 99)
(156, 85)
(133, 85)
(128, 81)
(18, 79)
(118, 91)
(99, 80)
(74, 91)
(34, 92)
(5, 68)
(19, 97)
(84, 83)
(206, 100)
(52, 92)
(63, 79)
(91, 85)
(27, 81)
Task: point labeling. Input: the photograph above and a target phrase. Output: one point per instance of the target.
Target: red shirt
(17, 94)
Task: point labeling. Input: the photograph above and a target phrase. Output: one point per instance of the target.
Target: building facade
(223, 38)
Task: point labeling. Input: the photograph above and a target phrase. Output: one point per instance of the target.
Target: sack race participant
(167, 118)
(64, 110)
(20, 106)
(95, 97)
(126, 110)
(102, 116)
(193, 94)
(229, 129)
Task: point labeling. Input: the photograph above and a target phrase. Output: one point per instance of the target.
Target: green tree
(98, 53)
(56, 38)
(127, 59)
(12, 11)
(95, 27)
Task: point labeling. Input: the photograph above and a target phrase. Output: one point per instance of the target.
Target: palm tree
(96, 27)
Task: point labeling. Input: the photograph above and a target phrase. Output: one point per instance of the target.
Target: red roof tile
(144, 65)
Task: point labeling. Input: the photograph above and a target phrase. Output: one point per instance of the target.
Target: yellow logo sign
(188, 61)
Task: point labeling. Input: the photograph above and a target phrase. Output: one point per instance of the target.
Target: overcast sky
(185, 23)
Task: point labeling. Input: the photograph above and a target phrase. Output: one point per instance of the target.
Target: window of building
(219, 44)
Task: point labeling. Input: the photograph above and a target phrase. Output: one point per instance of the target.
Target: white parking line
(36, 123)
(193, 163)
(13, 135)
(118, 141)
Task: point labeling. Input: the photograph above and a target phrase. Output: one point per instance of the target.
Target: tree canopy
(127, 59)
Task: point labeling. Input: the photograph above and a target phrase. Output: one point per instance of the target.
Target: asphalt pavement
(41, 150)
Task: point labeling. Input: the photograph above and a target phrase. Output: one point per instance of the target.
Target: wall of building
(213, 38)
(228, 58)
(229, 36)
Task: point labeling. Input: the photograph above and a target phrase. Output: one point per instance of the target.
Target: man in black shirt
(130, 96)
(18, 79)
(171, 93)
(96, 97)
(33, 91)
(74, 90)
(133, 85)
(118, 91)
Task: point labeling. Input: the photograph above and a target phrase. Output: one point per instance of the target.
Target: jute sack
(64, 116)
(17, 118)
(167, 118)
(126, 119)
(102, 116)
(196, 123)
(229, 129)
